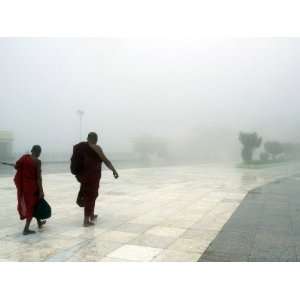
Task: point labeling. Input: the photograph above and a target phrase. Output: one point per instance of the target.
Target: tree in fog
(273, 148)
(264, 156)
(250, 142)
(291, 151)
(148, 146)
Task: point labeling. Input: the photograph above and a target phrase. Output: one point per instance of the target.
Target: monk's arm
(39, 179)
(8, 164)
(106, 161)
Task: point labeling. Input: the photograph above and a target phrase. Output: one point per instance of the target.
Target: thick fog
(194, 95)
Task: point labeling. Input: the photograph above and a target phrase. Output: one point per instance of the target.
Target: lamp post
(80, 113)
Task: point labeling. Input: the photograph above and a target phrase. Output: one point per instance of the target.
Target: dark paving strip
(265, 227)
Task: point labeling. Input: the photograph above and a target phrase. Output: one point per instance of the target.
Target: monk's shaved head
(36, 150)
(92, 138)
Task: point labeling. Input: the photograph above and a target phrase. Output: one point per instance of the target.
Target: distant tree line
(273, 150)
(147, 147)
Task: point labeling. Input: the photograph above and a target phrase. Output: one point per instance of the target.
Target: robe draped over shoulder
(90, 174)
(26, 181)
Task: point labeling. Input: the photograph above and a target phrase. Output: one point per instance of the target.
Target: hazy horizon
(177, 90)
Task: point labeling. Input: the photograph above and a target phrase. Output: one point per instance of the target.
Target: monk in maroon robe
(90, 174)
(28, 181)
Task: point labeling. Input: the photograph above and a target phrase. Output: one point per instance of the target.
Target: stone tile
(165, 231)
(117, 236)
(265, 238)
(203, 234)
(77, 232)
(111, 259)
(214, 256)
(11, 249)
(110, 224)
(134, 227)
(27, 240)
(94, 251)
(176, 256)
(196, 199)
(189, 245)
(270, 258)
(149, 220)
(32, 255)
(137, 253)
(178, 223)
(213, 225)
(56, 243)
(236, 225)
(7, 232)
(238, 242)
(276, 252)
(247, 221)
(155, 241)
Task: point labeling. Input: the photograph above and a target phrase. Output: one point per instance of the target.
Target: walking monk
(86, 163)
(28, 180)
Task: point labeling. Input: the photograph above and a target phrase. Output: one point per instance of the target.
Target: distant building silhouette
(6, 142)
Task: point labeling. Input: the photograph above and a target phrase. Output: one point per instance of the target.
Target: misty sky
(158, 87)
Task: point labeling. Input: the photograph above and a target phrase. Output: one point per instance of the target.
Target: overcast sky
(159, 87)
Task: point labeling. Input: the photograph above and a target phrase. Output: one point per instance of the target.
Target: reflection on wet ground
(148, 214)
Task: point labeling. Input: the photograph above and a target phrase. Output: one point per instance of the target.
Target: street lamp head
(80, 112)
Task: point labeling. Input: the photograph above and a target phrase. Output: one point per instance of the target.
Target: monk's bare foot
(94, 218)
(88, 224)
(41, 223)
(27, 231)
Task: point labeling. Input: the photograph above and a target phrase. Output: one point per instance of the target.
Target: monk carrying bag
(80, 198)
(42, 210)
(76, 165)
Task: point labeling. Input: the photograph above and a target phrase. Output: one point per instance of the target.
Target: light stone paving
(148, 214)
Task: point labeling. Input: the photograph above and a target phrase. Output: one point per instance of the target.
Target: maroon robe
(26, 181)
(89, 178)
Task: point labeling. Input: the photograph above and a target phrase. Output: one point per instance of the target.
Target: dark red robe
(89, 178)
(26, 181)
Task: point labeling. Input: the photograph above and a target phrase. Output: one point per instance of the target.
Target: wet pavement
(148, 214)
(265, 227)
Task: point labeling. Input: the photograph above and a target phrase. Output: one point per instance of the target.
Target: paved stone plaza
(265, 227)
(148, 214)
